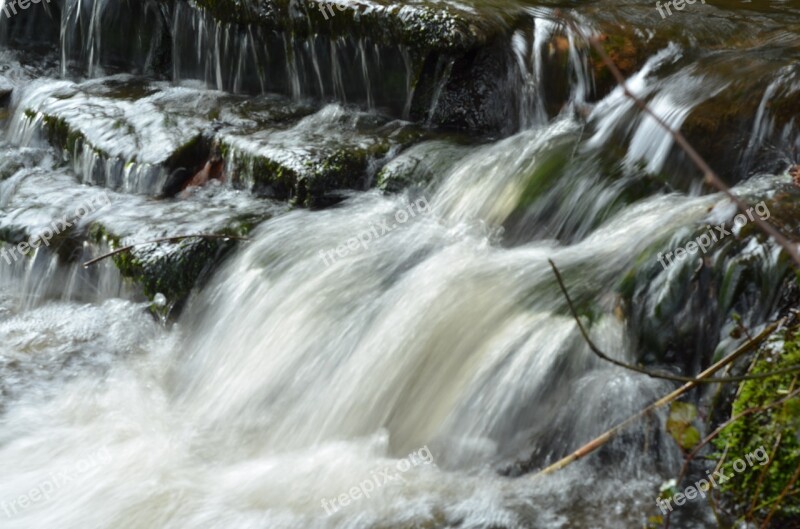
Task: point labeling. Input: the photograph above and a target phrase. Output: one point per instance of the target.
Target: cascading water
(436, 359)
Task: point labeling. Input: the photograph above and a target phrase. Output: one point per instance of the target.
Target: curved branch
(655, 374)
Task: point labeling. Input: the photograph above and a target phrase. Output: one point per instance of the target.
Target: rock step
(52, 211)
(130, 135)
(449, 64)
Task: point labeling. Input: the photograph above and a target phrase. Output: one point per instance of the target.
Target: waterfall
(355, 323)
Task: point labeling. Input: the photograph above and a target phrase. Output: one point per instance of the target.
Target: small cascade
(253, 60)
(93, 39)
(335, 231)
(552, 43)
(774, 131)
(44, 276)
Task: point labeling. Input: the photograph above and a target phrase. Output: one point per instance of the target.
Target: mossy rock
(691, 302)
(334, 150)
(429, 26)
(173, 269)
(133, 131)
(419, 166)
(775, 431)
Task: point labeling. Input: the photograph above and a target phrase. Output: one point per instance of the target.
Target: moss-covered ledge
(751, 495)
(443, 27)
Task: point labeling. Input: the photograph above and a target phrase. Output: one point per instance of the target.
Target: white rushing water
(427, 367)
(289, 381)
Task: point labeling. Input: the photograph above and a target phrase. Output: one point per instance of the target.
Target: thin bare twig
(709, 174)
(780, 499)
(176, 238)
(602, 439)
(718, 430)
(655, 374)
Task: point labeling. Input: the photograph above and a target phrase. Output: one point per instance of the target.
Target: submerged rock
(121, 133)
(419, 166)
(174, 269)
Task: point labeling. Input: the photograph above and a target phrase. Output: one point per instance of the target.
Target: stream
(389, 348)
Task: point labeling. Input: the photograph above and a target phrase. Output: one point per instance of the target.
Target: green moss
(432, 27)
(173, 269)
(62, 136)
(776, 426)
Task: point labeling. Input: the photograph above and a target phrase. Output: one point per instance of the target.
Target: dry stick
(715, 433)
(655, 374)
(176, 238)
(610, 434)
(763, 475)
(710, 176)
(772, 502)
(783, 494)
(764, 470)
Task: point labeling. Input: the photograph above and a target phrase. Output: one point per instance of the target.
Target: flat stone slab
(334, 149)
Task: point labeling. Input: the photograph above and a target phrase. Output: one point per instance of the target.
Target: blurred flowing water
(288, 380)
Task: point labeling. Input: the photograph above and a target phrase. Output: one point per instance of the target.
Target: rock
(768, 438)
(130, 135)
(37, 198)
(334, 149)
(122, 133)
(415, 168)
(444, 27)
(175, 269)
(5, 92)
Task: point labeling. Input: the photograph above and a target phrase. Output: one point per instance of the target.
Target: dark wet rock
(415, 168)
(36, 27)
(389, 57)
(444, 26)
(5, 92)
(469, 92)
(34, 199)
(332, 150)
(692, 305)
(109, 46)
(751, 124)
(5, 99)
